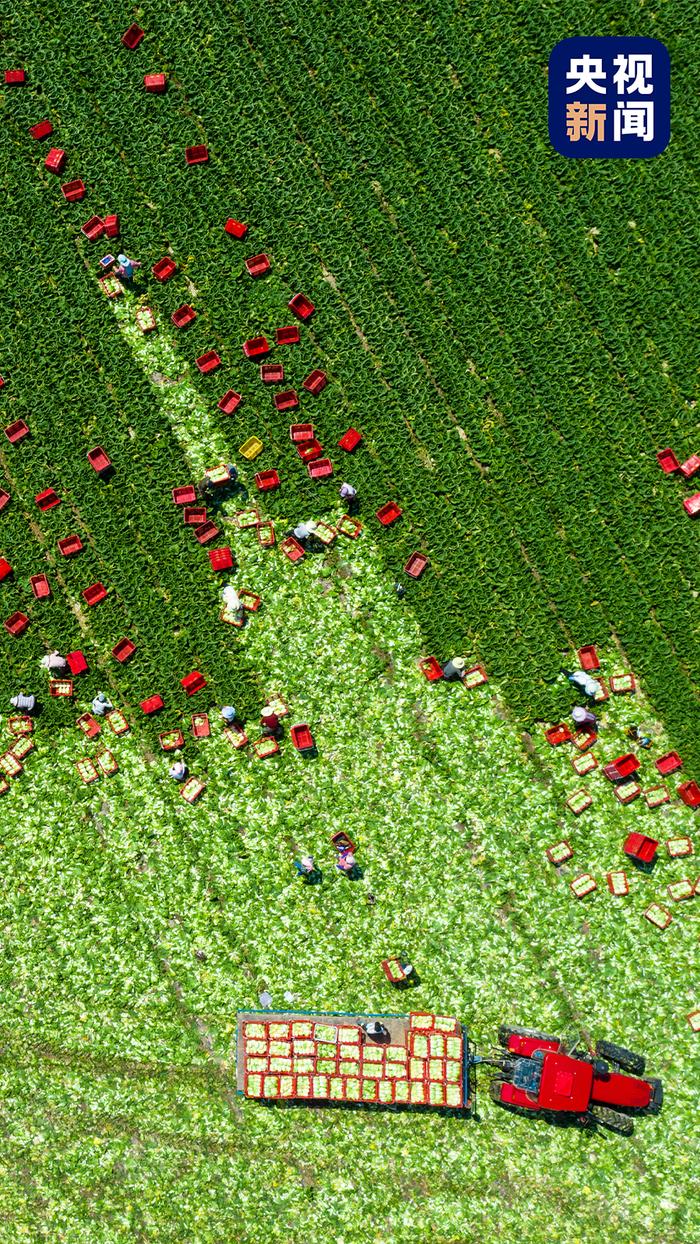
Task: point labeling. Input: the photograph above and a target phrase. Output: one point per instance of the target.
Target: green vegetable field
(515, 336)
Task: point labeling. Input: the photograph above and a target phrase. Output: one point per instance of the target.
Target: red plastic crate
(691, 466)
(185, 495)
(431, 667)
(206, 532)
(415, 565)
(588, 658)
(288, 336)
(221, 559)
(301, 306)
(194, 515)
(16, 432)
(73, 191)
(258, 265)
(389, 513)
(322, 468)
(69, 546)
(4, 498)
(193, 682)
(61, 688)
(255, 347)
(272, 373)
(199, 154)
(315, 382)
(154, 82)
(76, 662)
(668, 763)
(626, 765)
(93, 228)
(164, 269)
(230, 402)
(266, 534)
(183, 316)
(47, 499)
(15, 77)
(132, 37)
(689, 793)
(153, 704)
(5, 569)
(640, 847)
(40, 586)
(55, 161)
(208, 362)
(265, 481)
(42, 129)
(123, 649)
(201, 728)
(287, 400)
(94, 594)
(17, 623)
(89, 725)
(308, 450)
(692, 504)
(98, 459)
(292, 549)
(350, 440)
(668, 461)
(301, 737)
(111, 224)
(235, 228)
(300, 432)
(558, 734)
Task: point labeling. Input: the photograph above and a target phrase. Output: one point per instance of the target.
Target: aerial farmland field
(491, 344)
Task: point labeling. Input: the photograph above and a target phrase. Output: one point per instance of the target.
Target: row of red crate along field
(13, 758)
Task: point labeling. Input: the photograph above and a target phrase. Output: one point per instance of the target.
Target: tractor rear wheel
(613, 1120)
(626, 1059)
(506, 1031)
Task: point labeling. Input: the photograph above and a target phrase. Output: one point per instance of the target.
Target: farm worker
(454, 669)
(126, 267)
(26, 703)
(374, 1029)
(583, 681)
(304, 531)
(306, 866)
(406, 968)
(228, 713)
(232, 472)
(54, 662)
(634, 733)
(178, 771)
(232, 600)
(269, 721)
(584, 718)
(345, 862)
(347, 492)
(101, 705)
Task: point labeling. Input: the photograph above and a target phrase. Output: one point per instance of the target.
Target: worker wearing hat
(454, 669)
(269, 721)
(584, 718)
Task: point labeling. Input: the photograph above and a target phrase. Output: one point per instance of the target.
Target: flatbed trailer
(423, 1061)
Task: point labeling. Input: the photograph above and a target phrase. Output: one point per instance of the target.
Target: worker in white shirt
(54, 662)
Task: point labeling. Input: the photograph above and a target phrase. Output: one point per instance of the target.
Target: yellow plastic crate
(251, 448)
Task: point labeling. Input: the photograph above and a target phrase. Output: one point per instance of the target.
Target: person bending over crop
(54, 662)
(228, 714)
(101, 705)
(25, 703)
(270, 722)
(125, 267)
(454, 669)
(583, 681)
(178, 771)
(584, 718)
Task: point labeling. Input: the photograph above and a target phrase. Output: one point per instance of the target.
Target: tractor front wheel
(626, 1059)
(613, 1120)
(506, 1031)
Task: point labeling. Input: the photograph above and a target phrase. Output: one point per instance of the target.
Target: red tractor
(560, 1080)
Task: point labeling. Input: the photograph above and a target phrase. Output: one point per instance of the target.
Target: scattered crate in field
(145, 319)
(5, 569)
(199, 154)
(680, 890)
(16, 624)
(350, 527)
(301, 306)
(194, 515)
(475, 677)
(315, 382)
(255, 347)
(93, 228)
(625, 765)
(152, 704)
(302, 738)
(679, 847)
(94, 594)
(155, 83)
(388, 514)
(588, 659)
(16, 432)
(309, 450)
(107, 763)
(325, 533)
(218, 475)
(20, 726)
(185, 495)
(15, 77)
(690, 467)
(183, 316)
(584, 764)
(10, 765)
(583, 740)
(236, 736)
(193, 682)
(656, 796)
(99, 460)
(431, 668)
(111, 224)
(47, 499)
(287, 400)
(668, 763)
(76, 662)
(640, 848)
(111, 286)
(265, 481)
(321, 468)
(560, 852)
(88, 725)
(265, 747)
(86, 771)
(73, 191)
(164, 269)
(250, 602)
(692, 505)
(258, 265)
(55, 161)
(694, 1020)
(288, 336)
(61, 688)
(132, 37)
(582, 885)
(171, 740)
(107, 262)
(192, 790)
(627, 792)
(415, 565)
(123, 649)
(578, 802)
(350, 440)
(236, 228)
(201, 729)
(246, 519)
(266, 534)
(22, 748)
(292, 549)
(622, 684)
(689, 793)
(251, 448)
(230, 402)
(668, 461)
(272, 373)
(557, 735)
(117, 722)
(658, 916)
(206, 532)
(618, 884)
(208, 362)
(301, 432)
(4, 498)
(221, 559)
(4, 786)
